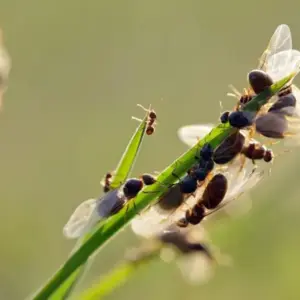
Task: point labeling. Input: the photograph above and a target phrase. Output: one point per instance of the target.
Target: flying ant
(91, 211)
(213, 195)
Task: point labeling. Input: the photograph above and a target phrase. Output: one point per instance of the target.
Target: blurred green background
(79, 69)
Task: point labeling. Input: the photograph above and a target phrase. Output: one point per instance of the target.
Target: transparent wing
(196, 268)
(279, 59)
(293, 137)
(110, 203)
(81, 220)
(149, 223)
(239, 183)
(5, 66)
(154, 221)
(281, 40)
(296, 93)
(191, 134)
(5, 62)
(283, 64)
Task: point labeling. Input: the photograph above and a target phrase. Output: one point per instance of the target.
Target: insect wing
(110, 203)
(279, 59)
(149, 224)
(5, 62)
(81, 220)
(154, 221)
(191, 134)
(296, 93)
(280, 41)
(283, 64)
(240, 184)
(5, 66)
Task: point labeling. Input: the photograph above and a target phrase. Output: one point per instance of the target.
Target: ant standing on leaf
(151, 121)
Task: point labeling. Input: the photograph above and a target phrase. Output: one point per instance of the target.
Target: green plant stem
(110, 227)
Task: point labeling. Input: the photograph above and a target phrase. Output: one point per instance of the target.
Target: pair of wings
(280, 59)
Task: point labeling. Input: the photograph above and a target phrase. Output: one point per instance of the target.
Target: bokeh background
(79, 69)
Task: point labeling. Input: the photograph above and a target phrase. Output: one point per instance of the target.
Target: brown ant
(107, 182)
(151, 121)
(213, 195)
(257, 151)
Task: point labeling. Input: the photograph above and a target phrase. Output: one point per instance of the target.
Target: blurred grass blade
(110, 227)
(123, 170)
(113, 279)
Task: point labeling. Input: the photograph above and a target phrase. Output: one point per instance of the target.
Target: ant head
(206, 152)
(108, 175)
(152, 114)
(200, 174)
(148, 179)
(241, 119)
(188, 185)
(224, 117)
(268, 156)
(208, 165)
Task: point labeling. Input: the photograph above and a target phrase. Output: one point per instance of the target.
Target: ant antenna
(145, 109)
(235, 91)
(136, 119)
(221, 106)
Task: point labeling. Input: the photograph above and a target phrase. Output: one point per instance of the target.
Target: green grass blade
(122, 172)
(129, 156)
(110, 227)
(113, 279)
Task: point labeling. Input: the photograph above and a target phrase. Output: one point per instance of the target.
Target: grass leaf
(116, 277)
(120, 176)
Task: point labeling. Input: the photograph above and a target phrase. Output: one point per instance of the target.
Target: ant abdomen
(259, 80)
(195, 215)
(215, 191)
(283, 102)
(229, 148)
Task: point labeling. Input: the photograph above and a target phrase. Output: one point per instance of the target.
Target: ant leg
(271, 143)
(252, 131)
(144, 108)
(243, 161)
(126, 211)
(176, 176)
(134, 207)
(282, 152)
(136, 119)
(173, 172)
(235, 91)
